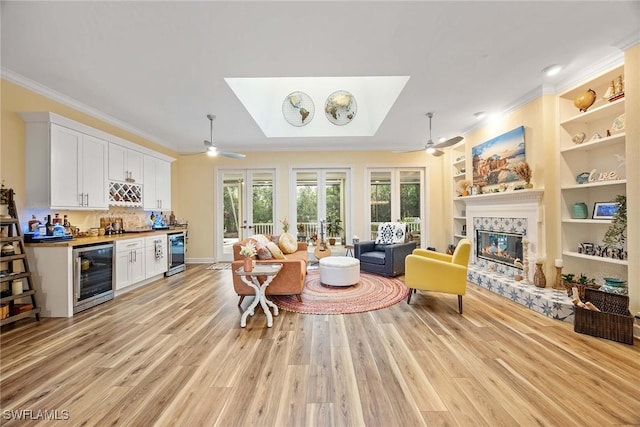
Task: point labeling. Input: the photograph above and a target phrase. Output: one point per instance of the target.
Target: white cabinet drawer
(129, 244)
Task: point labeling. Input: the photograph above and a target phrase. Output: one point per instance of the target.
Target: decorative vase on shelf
(248, 264)
(539, 278)
(586, 100)
(580, 211)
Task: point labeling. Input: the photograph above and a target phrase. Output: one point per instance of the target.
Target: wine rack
(125, 194)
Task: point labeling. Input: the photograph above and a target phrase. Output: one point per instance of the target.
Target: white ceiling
(158, 68)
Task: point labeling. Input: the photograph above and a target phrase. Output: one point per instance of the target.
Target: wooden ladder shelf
(15, 267)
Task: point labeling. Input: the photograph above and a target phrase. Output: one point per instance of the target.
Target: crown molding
(628, 42)
(600, 67)
(523, 100)
(40, 89)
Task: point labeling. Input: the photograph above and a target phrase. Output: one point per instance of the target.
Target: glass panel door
(380, 200)
(246, 202)
(321, 195)
(396, 195)
(306, 219)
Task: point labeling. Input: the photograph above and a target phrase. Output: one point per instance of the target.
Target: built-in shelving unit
(458, 173)
(598, 154)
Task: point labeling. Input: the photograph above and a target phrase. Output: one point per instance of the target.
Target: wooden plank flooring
(173, 353)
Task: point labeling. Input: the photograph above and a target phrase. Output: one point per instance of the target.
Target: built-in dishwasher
(93, 275)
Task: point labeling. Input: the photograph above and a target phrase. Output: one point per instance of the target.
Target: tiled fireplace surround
(513, 212)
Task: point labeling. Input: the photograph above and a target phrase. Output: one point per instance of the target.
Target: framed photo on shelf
(604, 210)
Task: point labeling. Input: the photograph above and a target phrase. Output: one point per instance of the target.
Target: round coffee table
(339, 271)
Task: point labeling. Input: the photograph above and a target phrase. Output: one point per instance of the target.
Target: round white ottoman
(339, 271)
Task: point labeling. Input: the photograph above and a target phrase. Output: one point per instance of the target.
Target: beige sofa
(289, 281)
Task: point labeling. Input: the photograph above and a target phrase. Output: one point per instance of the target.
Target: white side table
(270, 271)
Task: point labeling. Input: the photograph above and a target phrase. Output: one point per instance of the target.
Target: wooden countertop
(80, 241)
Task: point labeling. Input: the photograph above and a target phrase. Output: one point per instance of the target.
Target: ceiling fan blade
(232, 155)
(409, 151)
(437, 153)
(449, 142)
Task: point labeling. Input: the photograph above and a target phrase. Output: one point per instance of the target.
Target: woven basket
(569, 285)
(612, 322)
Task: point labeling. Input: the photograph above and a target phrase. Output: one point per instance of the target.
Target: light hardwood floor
(173, 354)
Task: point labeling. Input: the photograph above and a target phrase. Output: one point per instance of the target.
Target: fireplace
(498, 246)
(497, 224)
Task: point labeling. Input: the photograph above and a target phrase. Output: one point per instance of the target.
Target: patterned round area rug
(371, 293)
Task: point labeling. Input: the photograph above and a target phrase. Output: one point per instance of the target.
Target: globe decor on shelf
(340, 108)
(298, 109)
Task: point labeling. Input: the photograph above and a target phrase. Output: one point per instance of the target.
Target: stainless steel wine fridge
(93, 276)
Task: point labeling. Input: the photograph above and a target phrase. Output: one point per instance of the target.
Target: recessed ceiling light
(480, 115)
(552, 70)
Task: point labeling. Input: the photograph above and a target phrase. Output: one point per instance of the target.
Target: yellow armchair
(433, 271)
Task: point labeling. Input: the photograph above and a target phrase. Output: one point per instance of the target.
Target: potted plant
(334, 228)
(301, 236)
(615, 235)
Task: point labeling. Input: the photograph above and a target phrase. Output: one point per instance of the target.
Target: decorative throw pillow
(288, 243)
(261, 239)
(264, 253)
(275, 251)
(391, 232)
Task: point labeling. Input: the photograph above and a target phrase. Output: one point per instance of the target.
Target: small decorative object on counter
(172, 219)
(586, 100)
(49, 226)
(33, 223)
(539, 279)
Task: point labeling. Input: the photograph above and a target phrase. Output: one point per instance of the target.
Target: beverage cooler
(176, 245)
(93, 276)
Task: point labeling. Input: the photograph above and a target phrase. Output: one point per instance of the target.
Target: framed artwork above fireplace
(493, 160)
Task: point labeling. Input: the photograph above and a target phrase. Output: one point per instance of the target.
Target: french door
(245, 206)
(397, 194)
(320, 195)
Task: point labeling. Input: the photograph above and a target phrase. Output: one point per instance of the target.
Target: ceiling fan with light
(212, 150)
(433, 148)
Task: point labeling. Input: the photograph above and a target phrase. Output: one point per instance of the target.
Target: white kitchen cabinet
(66, 168)
(157, 184)
(125, 164)
(130, 262)
(73, 176)
(155, 256)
